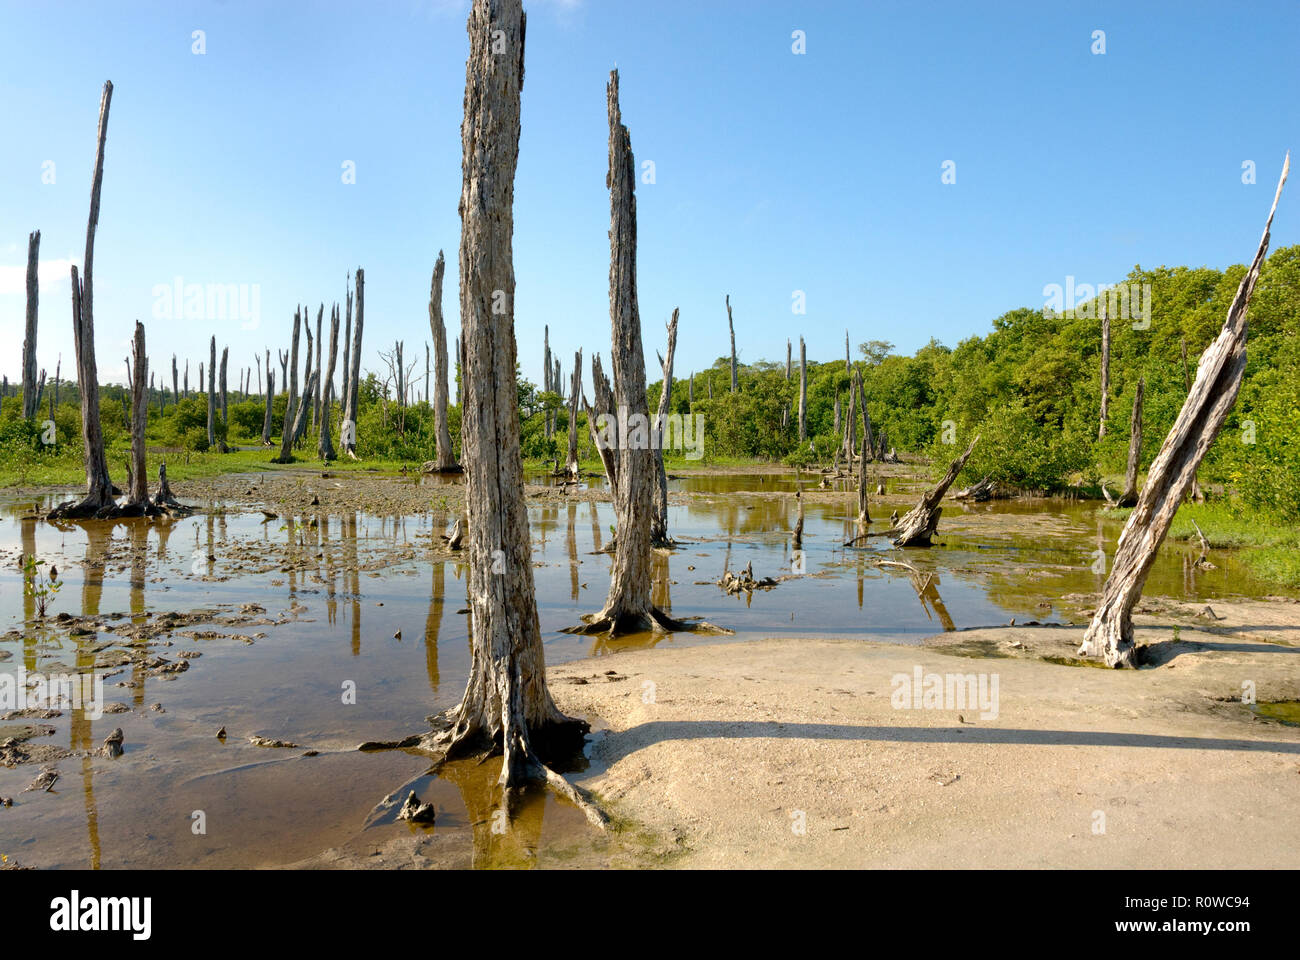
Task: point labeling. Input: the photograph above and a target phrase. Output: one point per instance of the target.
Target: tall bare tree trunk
(803, 391)
(571, 466)
(349, 429)
(320, 382)
(547, 426)
(29, 340)
(345, 387)
(270, 396)
(659, 522)
(507, 705)
(325, 447)
(138, 489)
(732, 328)
(1130, 496)
(1105, 369)
(176, 391)
(1218, 381)
(444, 455)
(787, 360)
(287, 429)
(99, 489)
(225, 409)
(212, 392)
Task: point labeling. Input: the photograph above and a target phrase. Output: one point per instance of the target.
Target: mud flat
(789, 753)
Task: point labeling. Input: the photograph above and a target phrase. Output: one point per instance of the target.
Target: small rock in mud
(311, 753)
(113, 744)
(6, 801)
(157, 708)
(221, 734)
(415, 811)
(270, 742)
(44, 781)
(117, 708)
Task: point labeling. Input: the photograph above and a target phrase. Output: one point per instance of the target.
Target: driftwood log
(917, 526)
(1218, 380)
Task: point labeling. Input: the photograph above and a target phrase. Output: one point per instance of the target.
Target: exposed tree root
(652, 620)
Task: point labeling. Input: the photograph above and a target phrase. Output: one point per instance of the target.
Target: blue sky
(774, 172)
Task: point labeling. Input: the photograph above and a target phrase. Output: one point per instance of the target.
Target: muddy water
(352, 602)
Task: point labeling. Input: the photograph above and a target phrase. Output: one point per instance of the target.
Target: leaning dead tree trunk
(99, 489)
(1130, 495)
(507, 705)
(29, 340)
(917, 526)
(627, 607)
(1105, 369)
(571, 467)
(288, 427)
(732, 328)
(138, 488)
(325, 446)
(803, 391)
(348, 431)
(1218, 380)
(602, 410)
(659, 522)
(444, 460)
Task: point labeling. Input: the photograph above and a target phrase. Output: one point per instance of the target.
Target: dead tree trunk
(212, 391)
(29, 340)
(345, 387)
(787, 361)
(444, 456)
(848, 364)
(571, 467)
(307, 366)
(546, 377)
(1218, 380)
(627, 607)
(99, 489)
(348, 432)
(186, 381)
(287, 428)
(864, 518)
(1129, 497)
(320, 381)
(732, 328)
(325, 446)
(138, 488)
(270, 396)
(225, 409)
(176, 385)
(602, 411)
(1105, 369)
(507, 705)
(917, 526)
(803, 391)
(659, 521)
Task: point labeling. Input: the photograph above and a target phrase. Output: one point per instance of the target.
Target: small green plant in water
(40, 585)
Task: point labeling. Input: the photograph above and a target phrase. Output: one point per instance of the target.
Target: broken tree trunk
(1218, 380)
(287, 428)
(176, 395)
(1130, 495)
(547, 426)
(659, 521)
(1105, 369)
(917, 526)
(732, 327)
(571, 467)
(787, 361)
(507, 705)
(444, 456)
(212, 391)
(628, 608)
(325, 446)
(320, 381)
(600, 415)
(99, 489)
(138, 488)
(30, 404)
(803, 391)
(348, 432)
(225, 409)
(270, 395)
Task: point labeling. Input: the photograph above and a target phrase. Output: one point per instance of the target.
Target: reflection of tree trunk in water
(503, 838)
(573, 550)
(208, 555)
(433, 624)
(81, 740)
(660, 595)
(30, 638)
(595, 528)
(352, 576)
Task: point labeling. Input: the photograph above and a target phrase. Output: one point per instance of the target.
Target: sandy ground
(788, 752)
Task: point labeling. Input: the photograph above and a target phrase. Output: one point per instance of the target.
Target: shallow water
(347, 585)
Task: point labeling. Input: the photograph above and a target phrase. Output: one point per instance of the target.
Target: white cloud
(52, 274)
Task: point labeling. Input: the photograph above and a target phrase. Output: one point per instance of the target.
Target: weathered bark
(270, 396)
(345, 387)
(1105, 369)
(287, 428)
(307, 365)
(659, 521)
(212, 392)
(444, 455)
(803, 391)
(628, 608)
(30, 403)
(312, 369)
(138, 488)
(225, 409)
(732, 328)
(1130, 495)
(507, 705)
(325, 446)
(917, 526)
(1218, 380)
(571, 467)
(304, 410)
(99, 489)
(602, 406)
(349, 428)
